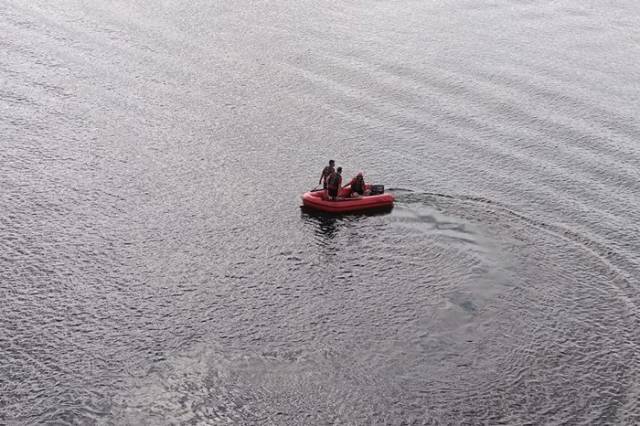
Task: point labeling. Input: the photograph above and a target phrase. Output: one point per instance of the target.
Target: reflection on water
(329, 223)
(326, 225)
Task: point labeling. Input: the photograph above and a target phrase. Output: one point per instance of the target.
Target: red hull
(318, 200)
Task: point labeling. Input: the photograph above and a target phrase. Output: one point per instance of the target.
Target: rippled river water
(155, 266)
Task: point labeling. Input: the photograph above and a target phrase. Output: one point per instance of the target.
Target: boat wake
(561, 278)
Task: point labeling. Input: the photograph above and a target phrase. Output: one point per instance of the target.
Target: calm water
(155, 266)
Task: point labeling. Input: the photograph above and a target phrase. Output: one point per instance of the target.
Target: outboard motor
(377, 189)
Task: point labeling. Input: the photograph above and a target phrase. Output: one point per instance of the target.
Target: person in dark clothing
(334, 183)
(326, 172)
(356, 185)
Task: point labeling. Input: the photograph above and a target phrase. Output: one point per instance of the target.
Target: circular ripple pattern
(155, 267)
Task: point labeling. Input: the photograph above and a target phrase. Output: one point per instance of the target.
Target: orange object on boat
(319, 200)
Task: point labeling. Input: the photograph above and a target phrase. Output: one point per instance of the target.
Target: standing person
(334, 183)
(326, 172)
(356, 186)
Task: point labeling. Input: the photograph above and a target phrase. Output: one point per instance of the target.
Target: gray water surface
(155, 267)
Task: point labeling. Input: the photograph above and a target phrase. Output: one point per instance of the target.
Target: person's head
(339, 170)
(332, 163)
(359, 174)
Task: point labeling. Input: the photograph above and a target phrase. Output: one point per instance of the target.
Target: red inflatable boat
(318, 200)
